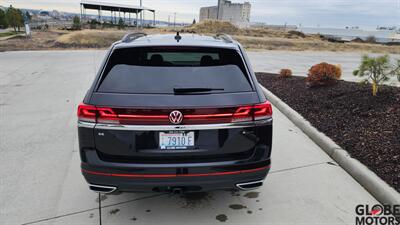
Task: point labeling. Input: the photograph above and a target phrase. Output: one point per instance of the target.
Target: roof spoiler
(227, 38)
(132, 36)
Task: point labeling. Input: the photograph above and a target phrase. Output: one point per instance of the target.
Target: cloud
(308, 12)
(338, 13)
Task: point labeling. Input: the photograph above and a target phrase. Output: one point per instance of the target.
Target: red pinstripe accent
(174, 175)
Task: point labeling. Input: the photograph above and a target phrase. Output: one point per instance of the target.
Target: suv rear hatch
(141, 87)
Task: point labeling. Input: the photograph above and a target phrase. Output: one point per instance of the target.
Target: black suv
(179, 113)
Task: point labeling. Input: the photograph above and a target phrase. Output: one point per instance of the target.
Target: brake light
(243, 114)
(87, 113)
(262, 111)
(255, 112)
(107, 115)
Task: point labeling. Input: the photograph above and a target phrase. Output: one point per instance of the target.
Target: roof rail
(227, 38)
(132, 36)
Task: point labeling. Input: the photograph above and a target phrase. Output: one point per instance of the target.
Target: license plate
(176, 140)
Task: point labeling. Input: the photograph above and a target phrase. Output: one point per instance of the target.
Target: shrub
(93, 24)
(398, 75)
(121, 24)
(370, 39)
(338, 71)
(76, 23)
(295, 34)
(285, 73)
(3, 20)
(378, 70)
(323, 74)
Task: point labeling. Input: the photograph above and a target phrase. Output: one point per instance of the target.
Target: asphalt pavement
(301, 61)
(40, 180)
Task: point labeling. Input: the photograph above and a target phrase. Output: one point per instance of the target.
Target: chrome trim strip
(239, 185)
(183, 127)
(111, 188)
(86, 124)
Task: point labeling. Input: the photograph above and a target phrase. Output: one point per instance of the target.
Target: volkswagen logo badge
(175, 117)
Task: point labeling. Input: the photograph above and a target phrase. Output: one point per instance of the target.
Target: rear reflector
(89, 113)
(176, 175)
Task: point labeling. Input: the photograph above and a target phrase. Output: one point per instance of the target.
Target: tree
(14, 18)
(20, 19)
(370, 39)
(121, 24)
(194, 22)
(93, 24)
(378, 70)
(28, 16)
(76, 23)
(3, 19)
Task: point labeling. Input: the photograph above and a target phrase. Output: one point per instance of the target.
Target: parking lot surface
(301, 61)
(40, 174)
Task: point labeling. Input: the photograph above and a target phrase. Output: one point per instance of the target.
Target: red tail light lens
(243, 114)
(262, 111)
(107, 115)
(89, 113)
(255, 112)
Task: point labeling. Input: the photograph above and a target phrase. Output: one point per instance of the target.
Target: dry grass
(39, 41)
(311, 44)
(251, 38)
(9, 33)
(213, 26)
(90, 38)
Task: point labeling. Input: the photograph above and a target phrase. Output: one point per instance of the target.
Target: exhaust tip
(250, 185)
(102, 189)
(177, 191)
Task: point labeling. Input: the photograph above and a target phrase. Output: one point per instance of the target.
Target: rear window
(161, 70)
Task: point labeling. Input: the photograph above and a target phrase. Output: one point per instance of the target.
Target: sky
(309, 13)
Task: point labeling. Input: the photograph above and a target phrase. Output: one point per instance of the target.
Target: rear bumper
(189, 177)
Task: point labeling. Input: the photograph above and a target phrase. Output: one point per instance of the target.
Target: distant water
(351, 34)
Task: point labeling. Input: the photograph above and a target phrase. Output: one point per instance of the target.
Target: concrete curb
(368, 179)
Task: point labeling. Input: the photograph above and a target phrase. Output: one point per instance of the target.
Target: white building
(236, 13)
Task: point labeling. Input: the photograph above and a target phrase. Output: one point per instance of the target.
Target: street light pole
(141, 14)
(218, 8)
(174, 20)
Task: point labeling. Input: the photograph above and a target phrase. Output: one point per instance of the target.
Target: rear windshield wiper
(192, 90)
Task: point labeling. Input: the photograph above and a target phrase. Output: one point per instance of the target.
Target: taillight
(90, 113)
(107, 115)
(87, 113)
(255, 112)
(262, 111)
(243, 114)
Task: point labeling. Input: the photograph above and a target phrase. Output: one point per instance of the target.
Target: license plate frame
(176, 140)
